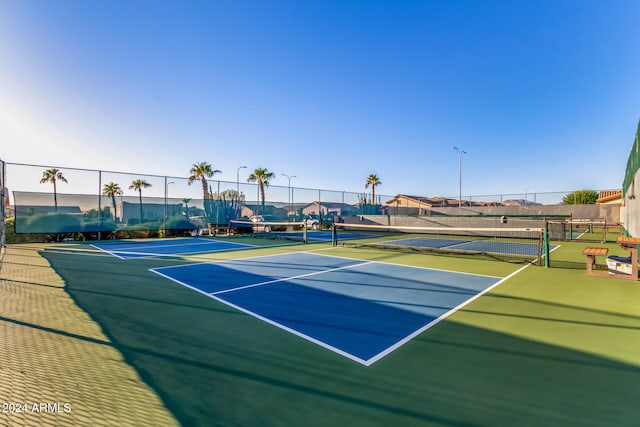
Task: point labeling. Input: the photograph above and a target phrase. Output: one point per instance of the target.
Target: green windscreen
(633, 163)
(82, 213)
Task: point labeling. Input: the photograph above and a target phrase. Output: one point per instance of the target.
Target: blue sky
(541, 94)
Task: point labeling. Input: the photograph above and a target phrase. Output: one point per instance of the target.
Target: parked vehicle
(312, 222)
(267, 224)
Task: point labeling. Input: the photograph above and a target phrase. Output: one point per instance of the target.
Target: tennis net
(584, 229)
(296, 231)
(508, 244)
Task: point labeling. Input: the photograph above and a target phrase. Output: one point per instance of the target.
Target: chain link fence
(102, 204)
(3, 201)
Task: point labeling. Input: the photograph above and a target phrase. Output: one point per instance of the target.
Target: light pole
(166, 200)
(238, 180)
(526, 193)
(460, 153)
(289, 195)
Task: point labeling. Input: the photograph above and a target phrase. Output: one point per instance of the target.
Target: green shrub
(179, 226)
(581, 197)
(50, 223)
(13, 237)
(151, 225)
(179, 223)
(95, 226)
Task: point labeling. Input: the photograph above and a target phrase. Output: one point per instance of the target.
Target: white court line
(313, 251)
(132, 245)
(232, 259)
(267, 320)
(128, 251)
(284, 279)
(438, 320)
(106, 251)
(343, 353)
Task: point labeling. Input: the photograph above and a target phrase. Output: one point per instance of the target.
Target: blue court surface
(133, 249)
(362, 310)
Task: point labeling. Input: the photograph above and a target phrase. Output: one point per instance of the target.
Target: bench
(629, 244)
(591, 254)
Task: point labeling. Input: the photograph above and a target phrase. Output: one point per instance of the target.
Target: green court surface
(548, 346)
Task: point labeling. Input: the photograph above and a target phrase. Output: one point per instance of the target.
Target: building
(404, 204)
(609, 197)
(520, 202)
(330, 208)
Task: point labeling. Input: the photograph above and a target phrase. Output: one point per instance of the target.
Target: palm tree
(372, 181)
(186, 205)
(53, 176)
(261, 176)
(202, 171)
(138, 185)
(112, 190)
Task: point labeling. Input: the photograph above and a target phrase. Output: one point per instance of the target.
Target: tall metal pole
(238, 180)
(289, 195)
(460, 153)
(99, 205)
(166, 204)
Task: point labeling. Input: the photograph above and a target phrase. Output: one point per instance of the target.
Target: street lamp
(166, 200)
(460, 153)
(238, 180)
(290, 198)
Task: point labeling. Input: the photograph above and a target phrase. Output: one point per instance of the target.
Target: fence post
(547, 262)
(99, 205)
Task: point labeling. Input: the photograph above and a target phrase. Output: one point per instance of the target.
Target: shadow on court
(212, 365)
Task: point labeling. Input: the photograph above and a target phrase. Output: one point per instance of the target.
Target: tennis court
(362, 310)
(151, 248)
(328, 336)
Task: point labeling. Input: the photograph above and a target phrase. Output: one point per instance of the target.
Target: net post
(100, 205)
(304, 232)
(334, 237)
(571, 227)
(545, 243)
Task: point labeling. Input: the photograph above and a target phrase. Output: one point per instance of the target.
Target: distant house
(404, 204)
(329, 208)
(520, 202)
(251, 210)
(294, 209)
(609, 197)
